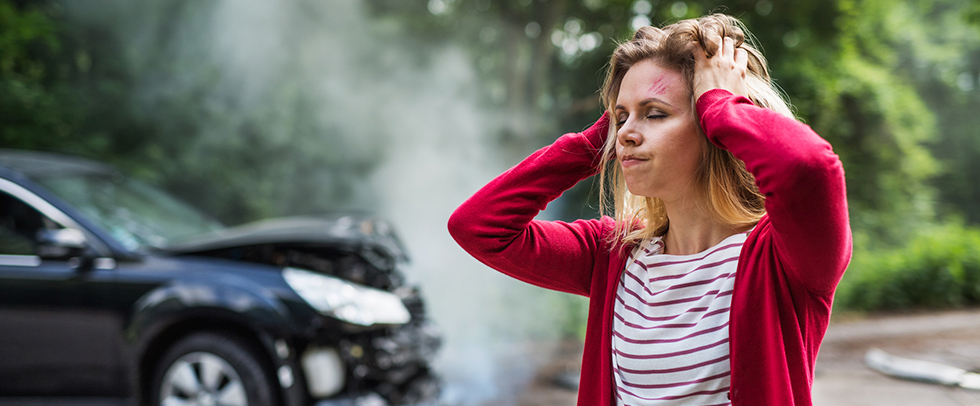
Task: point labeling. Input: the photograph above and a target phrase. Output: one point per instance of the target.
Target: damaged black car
(114, 291)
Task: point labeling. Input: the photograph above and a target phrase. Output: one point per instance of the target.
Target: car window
(19, 225)
(135, 214)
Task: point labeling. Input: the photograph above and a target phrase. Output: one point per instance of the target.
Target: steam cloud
(380, 123)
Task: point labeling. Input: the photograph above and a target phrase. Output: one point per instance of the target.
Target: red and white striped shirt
(670, 331)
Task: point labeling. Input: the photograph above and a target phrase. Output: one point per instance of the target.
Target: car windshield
(136, 214)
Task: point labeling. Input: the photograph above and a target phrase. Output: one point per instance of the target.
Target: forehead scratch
(659, 86)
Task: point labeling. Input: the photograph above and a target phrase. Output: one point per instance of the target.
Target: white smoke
(412, 113)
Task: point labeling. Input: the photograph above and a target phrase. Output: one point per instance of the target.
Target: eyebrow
(646, 102)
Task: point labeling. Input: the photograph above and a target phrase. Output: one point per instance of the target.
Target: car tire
(212, 369)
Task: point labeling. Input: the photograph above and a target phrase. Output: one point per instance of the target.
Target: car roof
(35, 164)
(362, 227)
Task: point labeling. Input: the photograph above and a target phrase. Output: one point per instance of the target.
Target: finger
(700, 58)
(728, 48)
(742, 58)
(711, 45)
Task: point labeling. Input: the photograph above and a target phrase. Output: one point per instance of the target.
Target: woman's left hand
(725, 70)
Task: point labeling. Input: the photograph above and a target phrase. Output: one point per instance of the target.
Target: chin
(640, 191)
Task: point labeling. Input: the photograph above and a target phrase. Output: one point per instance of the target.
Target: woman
(713, 281)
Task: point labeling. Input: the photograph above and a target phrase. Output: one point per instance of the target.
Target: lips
(630, 160)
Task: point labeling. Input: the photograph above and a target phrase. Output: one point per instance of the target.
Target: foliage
(32, 78)
(54, 95)
(76, 78)
(861, 72)
(875, 119)
(950, 86)
(938, 268)
(973, 13)
(893, 85)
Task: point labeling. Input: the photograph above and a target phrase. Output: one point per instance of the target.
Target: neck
(692, 230)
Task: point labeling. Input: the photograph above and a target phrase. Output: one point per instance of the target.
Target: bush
(937, 268)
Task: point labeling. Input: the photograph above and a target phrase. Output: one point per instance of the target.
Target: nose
(627, 135)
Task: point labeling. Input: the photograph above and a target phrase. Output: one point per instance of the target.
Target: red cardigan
(787, 270)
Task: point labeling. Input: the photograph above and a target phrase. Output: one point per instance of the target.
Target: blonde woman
(712, 282)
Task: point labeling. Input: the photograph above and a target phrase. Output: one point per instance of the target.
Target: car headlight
(345, 300)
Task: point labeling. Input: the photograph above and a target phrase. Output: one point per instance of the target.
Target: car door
(55, 337)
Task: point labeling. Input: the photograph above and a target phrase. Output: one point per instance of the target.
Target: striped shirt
(670, 330)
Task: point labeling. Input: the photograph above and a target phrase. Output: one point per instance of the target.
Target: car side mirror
(63, 243)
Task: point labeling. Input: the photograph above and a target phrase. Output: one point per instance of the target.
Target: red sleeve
(496, 225)
(801, 178)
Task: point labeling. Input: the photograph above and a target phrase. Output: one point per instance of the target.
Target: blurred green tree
(55, 95)
(894, 85)
(871, 76)
(72, 81)
(950, 86)
(33, 78)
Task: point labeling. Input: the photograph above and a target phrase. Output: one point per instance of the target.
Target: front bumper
(371, 399)
(426, 393)
(389, 364)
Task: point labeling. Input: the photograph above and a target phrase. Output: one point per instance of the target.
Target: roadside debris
(919, 370)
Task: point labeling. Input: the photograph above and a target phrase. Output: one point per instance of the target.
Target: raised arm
(801, 178)
(797, 171)
(496, 225)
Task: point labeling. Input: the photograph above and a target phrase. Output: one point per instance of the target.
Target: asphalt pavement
(842, 378)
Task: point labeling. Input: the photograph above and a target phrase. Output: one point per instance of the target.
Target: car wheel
(207, 369)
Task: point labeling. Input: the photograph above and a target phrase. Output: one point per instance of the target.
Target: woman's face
(657, 142)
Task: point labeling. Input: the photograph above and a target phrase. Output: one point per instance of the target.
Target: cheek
(619, 148)
(695, 155)
(687, 138)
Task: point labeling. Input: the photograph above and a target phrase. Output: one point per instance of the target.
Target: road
(951, 338)
(842, 379)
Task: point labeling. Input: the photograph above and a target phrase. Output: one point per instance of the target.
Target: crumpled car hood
(347, 230)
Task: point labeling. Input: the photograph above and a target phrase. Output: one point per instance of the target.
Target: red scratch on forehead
(659, 86)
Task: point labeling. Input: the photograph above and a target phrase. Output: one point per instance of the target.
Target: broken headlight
(347, 301)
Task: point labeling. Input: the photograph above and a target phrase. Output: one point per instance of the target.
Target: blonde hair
(727, 190)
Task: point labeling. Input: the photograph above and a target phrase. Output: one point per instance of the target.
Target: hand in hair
(724, 70)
